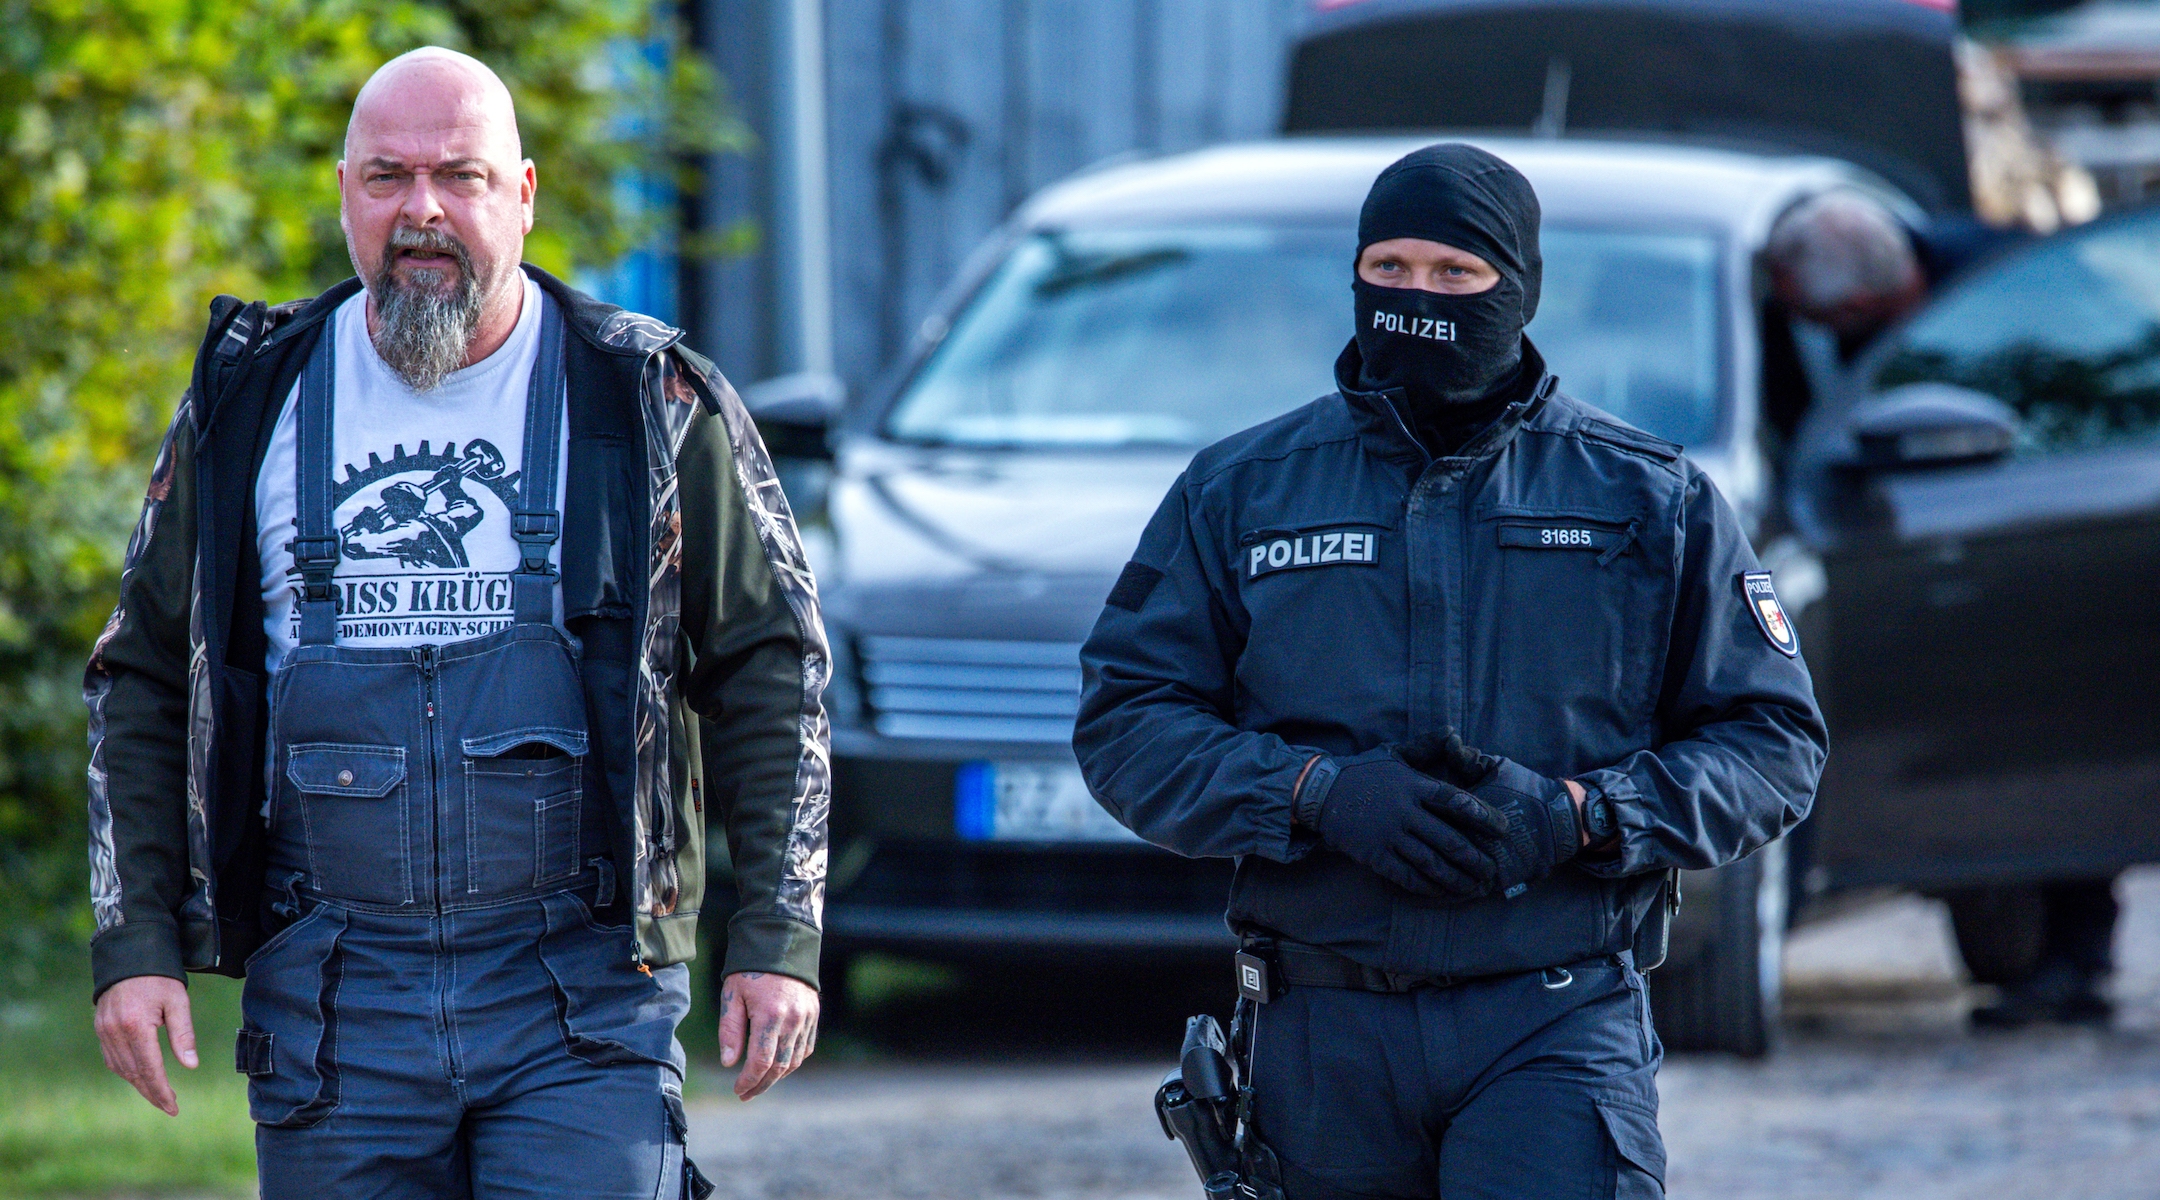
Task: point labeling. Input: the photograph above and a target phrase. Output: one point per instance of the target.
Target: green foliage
(154, 153)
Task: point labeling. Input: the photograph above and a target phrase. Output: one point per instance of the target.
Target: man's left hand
(770, 1021)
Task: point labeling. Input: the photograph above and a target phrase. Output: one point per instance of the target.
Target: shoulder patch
(1133, 586)
(1762, 604)
(1632, 439)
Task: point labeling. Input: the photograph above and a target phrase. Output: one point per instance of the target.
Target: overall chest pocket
(356, 819)
(1575, 600)
(524, 795)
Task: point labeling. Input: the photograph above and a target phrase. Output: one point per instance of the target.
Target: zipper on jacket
(1408, 436)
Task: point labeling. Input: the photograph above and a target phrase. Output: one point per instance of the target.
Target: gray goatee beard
(422, 331)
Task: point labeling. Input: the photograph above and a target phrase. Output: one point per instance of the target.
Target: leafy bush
(154, 153)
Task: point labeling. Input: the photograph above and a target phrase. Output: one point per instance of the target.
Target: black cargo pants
(1541, 1084)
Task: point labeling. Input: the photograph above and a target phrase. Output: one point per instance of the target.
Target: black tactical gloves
(1541, 827)
(1441, 819)
(1409, 828)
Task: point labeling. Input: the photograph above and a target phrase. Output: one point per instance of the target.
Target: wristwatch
(1600, 822)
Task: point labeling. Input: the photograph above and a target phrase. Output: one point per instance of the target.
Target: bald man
(445, 812)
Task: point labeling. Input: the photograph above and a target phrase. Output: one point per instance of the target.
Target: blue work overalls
(443, 1016)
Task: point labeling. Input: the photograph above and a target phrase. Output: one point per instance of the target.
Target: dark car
(1985, 502)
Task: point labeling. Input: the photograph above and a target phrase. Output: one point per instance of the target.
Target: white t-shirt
(431, 561)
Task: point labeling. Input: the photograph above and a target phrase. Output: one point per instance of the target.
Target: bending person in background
(1843, 261)
(1840, 260)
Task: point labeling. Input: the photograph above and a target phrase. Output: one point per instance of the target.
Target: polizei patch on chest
(1770, 616)
(1558, 535)
(1267, 551)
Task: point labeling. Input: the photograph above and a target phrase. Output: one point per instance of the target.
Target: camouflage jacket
(682, 575)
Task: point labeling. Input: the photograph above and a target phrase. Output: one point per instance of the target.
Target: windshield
(1181, 337)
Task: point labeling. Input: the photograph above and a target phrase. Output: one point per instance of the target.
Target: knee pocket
(1638, 1150)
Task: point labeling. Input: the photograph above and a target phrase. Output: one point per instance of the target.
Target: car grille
(968, 690)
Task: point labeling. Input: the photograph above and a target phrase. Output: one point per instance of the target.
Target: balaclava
(1445, 350)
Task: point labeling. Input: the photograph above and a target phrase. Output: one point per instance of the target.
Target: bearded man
(448, 820)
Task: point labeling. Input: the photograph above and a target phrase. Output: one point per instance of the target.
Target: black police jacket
(1566, 591)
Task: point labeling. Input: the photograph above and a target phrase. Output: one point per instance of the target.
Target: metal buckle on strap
(536, 526)
(310, 550)
(316, 559)
(536, 533)
(1257, 978)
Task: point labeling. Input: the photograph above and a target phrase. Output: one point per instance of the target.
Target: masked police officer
(1449, 545)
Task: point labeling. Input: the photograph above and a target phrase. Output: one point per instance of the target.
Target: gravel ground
(1877, 1092)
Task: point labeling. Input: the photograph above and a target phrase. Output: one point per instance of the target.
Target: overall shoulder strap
(537, 523)
(316, 550)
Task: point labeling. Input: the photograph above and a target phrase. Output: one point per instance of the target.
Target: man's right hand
(1390, 818)
(128, 1016)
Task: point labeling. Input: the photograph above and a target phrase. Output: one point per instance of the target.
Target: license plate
(1030, 802)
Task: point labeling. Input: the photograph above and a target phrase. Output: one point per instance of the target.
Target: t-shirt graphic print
(421, 496)
(405, 539)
